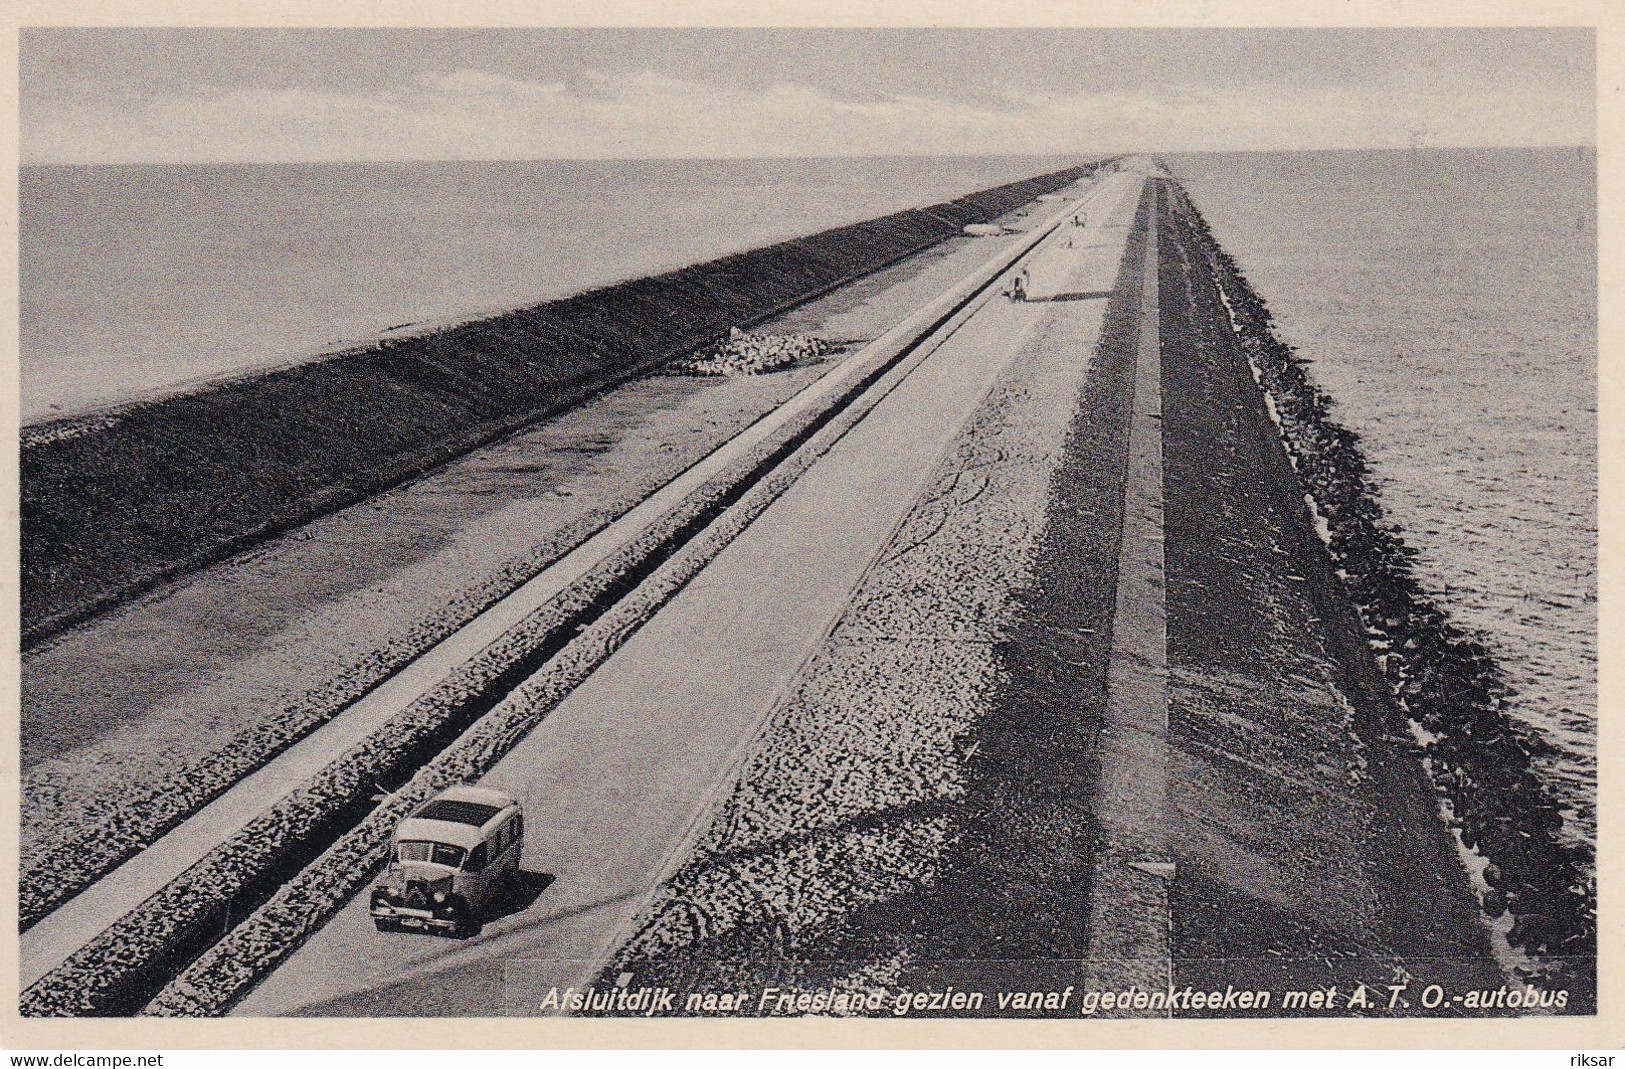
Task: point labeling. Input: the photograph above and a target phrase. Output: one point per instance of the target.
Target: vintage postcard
(818, 527)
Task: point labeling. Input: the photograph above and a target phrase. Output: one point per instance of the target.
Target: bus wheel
(464, 923)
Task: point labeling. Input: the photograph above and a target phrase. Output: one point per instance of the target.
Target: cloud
(475, 114)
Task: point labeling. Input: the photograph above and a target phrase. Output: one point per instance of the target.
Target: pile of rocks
(755, 354)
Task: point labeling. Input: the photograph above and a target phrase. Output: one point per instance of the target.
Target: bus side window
(516, 829)
(476, 859)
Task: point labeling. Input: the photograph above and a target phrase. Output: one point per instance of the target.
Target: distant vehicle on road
(448, 860)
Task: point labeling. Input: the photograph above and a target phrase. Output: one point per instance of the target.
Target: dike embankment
(1333, 750)
(1308, 845)
(1444, 689)
(116, 503)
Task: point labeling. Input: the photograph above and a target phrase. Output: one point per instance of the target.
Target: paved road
(620, 775)
(48, 943)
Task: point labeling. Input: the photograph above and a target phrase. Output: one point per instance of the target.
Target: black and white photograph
(1052, 523)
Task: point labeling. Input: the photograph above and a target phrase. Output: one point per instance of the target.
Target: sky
(265, 95)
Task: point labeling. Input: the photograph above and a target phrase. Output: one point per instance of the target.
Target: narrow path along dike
(621, 770)
(1129, 921)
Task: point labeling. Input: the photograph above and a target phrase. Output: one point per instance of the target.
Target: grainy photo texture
(1030, 523)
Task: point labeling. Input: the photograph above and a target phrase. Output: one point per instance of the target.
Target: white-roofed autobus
(448, 860)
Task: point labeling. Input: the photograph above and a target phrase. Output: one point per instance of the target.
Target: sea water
(1448, 299)
(138, 280)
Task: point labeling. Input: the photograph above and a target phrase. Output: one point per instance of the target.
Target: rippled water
(1448, 299)
(135, 280)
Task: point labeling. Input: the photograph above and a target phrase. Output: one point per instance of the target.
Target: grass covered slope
(114, 504)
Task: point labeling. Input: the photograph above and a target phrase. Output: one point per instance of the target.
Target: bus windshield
(437, 853)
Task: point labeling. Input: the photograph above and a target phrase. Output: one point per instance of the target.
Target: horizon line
(329, 161)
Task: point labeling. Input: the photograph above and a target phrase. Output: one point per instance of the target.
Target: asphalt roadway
(616, 781)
